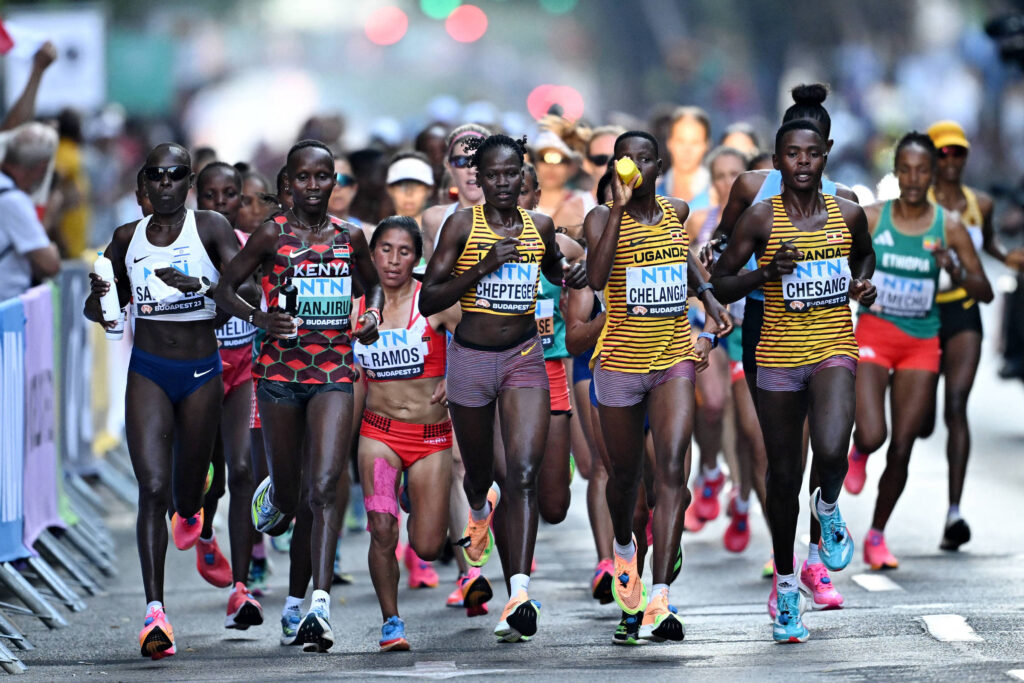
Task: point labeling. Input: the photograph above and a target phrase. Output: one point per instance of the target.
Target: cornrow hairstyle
(796, 124)
(807, 104)
(406, 223)
(638, 134)
(479, 146)
(223, 167)
(922, 140)
(303, 144)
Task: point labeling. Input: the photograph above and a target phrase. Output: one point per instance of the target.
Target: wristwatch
(707, 286)
(204, 284)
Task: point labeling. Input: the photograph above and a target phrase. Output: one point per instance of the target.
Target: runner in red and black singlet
(304, 368)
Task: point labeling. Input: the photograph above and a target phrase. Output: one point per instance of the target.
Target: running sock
(291, 604)
(786, 583)
(259, 551)
(712, 473)
(154, 604)
(825, 508)
(742, 505)
(953, 515)
(321, 602)
(206, 540)
(519, 582)
(812, 554)
(626, 552)
(874, 533)
(481, 514)
(660, 587)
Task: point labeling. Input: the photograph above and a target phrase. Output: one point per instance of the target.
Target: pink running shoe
(705, 504)
(857, 473)
(601, 586)
(823, 592)
(212, 564)
(454, 598)
(876, 553)
(156, 637)
(421, 572)
(186, 531)
(691, 521)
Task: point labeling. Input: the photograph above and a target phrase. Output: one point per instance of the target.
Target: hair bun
(810, 93)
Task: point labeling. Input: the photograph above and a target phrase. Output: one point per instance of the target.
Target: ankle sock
(292, 604)
(660, 587)
(823, 507)
(154, 604)
(712, 473)
(953, 515)
(518, 582)
(321, 601)
(812, 554)
(481, 514)
(626, 552)
(742, 505)
(786, 583)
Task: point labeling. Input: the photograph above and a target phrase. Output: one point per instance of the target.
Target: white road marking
(949, 628)
(1016, 673)
(431, 670)
(876, 582)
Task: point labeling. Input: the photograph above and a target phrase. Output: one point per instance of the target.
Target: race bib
(324, 295)
(817, 284)
(545, 315)
(903, 297)
(656, 291)
(397, 354)
(146, 304)
(235, 333)
(512, 288)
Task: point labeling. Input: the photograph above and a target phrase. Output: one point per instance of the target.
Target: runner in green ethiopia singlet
(907, 275)
(550, 324)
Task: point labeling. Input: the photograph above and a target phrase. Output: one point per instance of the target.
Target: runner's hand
(703, 348)
(574, 275)
(784, 261)
(440, 394)
(707, 254)
(944, 260)
(99, 288)
(500, 253)
(863, 291)
(367, 330)
(177, 279)
(621, 192)
(276, 322)
(719, 314)
(1015, 259)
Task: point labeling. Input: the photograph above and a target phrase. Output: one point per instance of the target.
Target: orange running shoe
(186, 531)
(156, 637)
(518, 619)
(661, 621)
(628, 588)
(478, 540)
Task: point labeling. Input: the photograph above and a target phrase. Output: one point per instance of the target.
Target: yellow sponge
(627, 170)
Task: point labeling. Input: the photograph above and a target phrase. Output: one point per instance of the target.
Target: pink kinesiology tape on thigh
(383, 498)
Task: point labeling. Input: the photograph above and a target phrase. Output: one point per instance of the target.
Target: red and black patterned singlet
(322, 275)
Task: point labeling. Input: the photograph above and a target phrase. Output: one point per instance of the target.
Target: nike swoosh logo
(141, 258)
(523, 353)
(200, 374)
(639, 240)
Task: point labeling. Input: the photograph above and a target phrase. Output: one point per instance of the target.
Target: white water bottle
(109, 302)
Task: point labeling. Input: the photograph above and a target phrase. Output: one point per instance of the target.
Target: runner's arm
(581, 333)
(862, 253)
(440, 290)
(368, 278)
(970, 275)
(557, 269)
(750, 231)
(115, 251)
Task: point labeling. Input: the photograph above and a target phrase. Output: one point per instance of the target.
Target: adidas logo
(885, 240)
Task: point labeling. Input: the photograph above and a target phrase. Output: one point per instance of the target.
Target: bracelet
(376, 314)
(706, 287)
(711, 337)
(252, 315)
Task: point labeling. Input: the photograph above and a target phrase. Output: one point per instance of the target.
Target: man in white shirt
(26, 252)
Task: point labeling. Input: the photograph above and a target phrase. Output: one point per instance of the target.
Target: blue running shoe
(264, 514)
(290, 627)
(835, 546)
(788, 627)
(392, 635)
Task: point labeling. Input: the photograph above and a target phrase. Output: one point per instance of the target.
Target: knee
(712, 407)
(239, 475)
(324, 492)
(955, 411)
(383, 530)
(554, 509)
(672, 475)
(428, 546)
(154, 493)
(521, 476)
(869, 441)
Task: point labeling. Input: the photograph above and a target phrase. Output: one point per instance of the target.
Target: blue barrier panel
(12, 429)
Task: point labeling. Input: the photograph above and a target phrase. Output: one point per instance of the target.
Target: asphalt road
(939, 616)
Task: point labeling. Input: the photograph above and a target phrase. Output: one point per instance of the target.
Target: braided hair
(479, 146)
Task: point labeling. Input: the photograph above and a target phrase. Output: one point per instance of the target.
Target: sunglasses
(344, 179)
(553, 157)
(952, 151)
(600, 160)
(460, 161)
(155, 173)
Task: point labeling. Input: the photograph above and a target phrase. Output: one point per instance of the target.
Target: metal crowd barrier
(54, 545)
